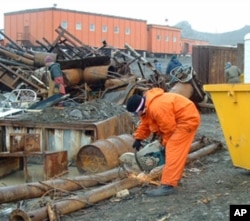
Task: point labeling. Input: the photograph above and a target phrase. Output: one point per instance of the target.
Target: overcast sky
(214, 16)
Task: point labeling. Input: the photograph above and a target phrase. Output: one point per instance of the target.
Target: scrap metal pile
(89, 73)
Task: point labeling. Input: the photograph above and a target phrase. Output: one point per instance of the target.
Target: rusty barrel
(95, 73)
(73, 76)
(103, 154)
(90, 75)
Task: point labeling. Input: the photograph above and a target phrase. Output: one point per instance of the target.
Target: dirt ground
(208, 187)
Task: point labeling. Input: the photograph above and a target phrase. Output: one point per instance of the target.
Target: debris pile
(91, 111)
(89, 73)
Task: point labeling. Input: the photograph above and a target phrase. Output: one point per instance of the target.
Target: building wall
(164, 39)
(30, 25)
(36, 24)
(187, 45)
(40, 23)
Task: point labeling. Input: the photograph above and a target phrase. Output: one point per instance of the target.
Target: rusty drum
(103, 154)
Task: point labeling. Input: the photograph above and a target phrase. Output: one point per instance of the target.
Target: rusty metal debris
(54, 163)
(103, 154)
(199, 148)
(105, 191)
(89, 73)
(47, 188)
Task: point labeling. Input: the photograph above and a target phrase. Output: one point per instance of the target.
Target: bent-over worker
(173, 117)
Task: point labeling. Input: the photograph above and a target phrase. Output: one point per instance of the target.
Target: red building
(28, 26)
(164, 39)
(187, 45)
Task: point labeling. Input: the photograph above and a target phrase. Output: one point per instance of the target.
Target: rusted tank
(103, 154)
(88, 75)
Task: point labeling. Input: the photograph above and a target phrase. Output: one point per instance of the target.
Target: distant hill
(228, 38)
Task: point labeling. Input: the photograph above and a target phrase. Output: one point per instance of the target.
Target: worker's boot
(163, 190)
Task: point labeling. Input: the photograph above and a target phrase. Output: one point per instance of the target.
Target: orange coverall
(176, 119)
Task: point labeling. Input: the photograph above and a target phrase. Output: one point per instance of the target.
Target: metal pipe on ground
(203, 151)
(73, 204)
(199, 144)
(37, 189)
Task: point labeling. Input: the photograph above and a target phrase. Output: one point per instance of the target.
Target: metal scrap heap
(91, 111)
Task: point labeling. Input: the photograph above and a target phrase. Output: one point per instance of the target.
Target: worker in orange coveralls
(176, 119)
(56, 81)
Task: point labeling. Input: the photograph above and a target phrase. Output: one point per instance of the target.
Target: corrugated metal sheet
(54, 139)
(209, 61)
(70, 140)
(68, 136)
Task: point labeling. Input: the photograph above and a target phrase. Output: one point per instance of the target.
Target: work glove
(137, 144)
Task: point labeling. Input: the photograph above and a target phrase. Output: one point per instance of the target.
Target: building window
(104, 28)
(158, 37)
(92, 27)
(116, 29)
(79, 26)
(166, 38)
(127, 31)
(174, 39)
(64, 24)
